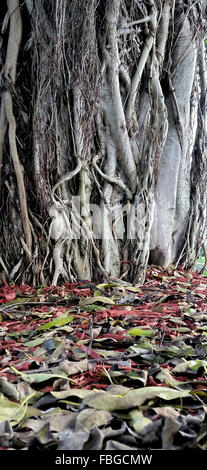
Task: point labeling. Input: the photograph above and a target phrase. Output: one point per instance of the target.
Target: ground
(107, 367)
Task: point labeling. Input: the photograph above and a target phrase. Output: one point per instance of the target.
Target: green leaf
(165, 376)
(107, 401)
(13, 334)
(181, 329)
(73, 392)
(175, 320)
(141, 376)
(44, 435)
(194, 365)
(21, 300)
(13, 412)
(38, 377)
(91, 307)
(34, 342)
(59, 321)
(139, 332)
(42, 377)
(140, 350)
(87, 419)
(175, 351)
(102, 287)
(105, 286)
(137, 420)
(171, 350)
(190, 311)
(97, 298)
(133, 289)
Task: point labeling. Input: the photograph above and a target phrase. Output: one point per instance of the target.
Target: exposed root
(112, 180)
(6, 272)
(68, 176)
(105, 112)
(7, 115)
(18, 172)
(58, 260)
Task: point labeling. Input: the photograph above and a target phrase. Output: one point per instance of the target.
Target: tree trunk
(103, 164)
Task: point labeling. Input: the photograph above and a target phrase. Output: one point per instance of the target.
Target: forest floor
(105, 367)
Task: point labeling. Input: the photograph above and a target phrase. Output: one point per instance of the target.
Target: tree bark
(115, 177)
(7, 115)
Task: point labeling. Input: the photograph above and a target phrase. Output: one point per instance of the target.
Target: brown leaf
(72, 368)
(169, 430)
(87, 419)
(167, 411)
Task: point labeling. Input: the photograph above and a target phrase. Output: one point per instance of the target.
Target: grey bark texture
(103, 107)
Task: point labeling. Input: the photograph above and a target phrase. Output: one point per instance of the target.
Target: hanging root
(6, 272)
(111, 179)
(7, 115)
(18, 172)
(58, 260)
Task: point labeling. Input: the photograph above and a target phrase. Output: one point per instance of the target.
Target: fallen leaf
(106, 401)
(139, 332)
(72, 368)
(59, 321)
(11, 411)
(192, 366)
(71, 393)
(170, 428)
(41, 376)
(165, 376)
(8, 389)
(87, 419)
(137, 420)
(167, 411)
(70, 440)
(116, 445)
(97, 298)
(44, 435)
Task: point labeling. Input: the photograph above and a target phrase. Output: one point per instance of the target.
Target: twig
(162, 334)
(94, 287)
(91, 336)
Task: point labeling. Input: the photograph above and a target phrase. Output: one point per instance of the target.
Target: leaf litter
(105, 367)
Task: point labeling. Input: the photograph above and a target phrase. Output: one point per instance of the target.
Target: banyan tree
(103, 164)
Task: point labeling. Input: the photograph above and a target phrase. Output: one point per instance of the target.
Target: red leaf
(151, 381)
(48, 388)
(117, 337)
(24, 366)
(91, 353)
(10, 296)
(9, 292)
(25, 289)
